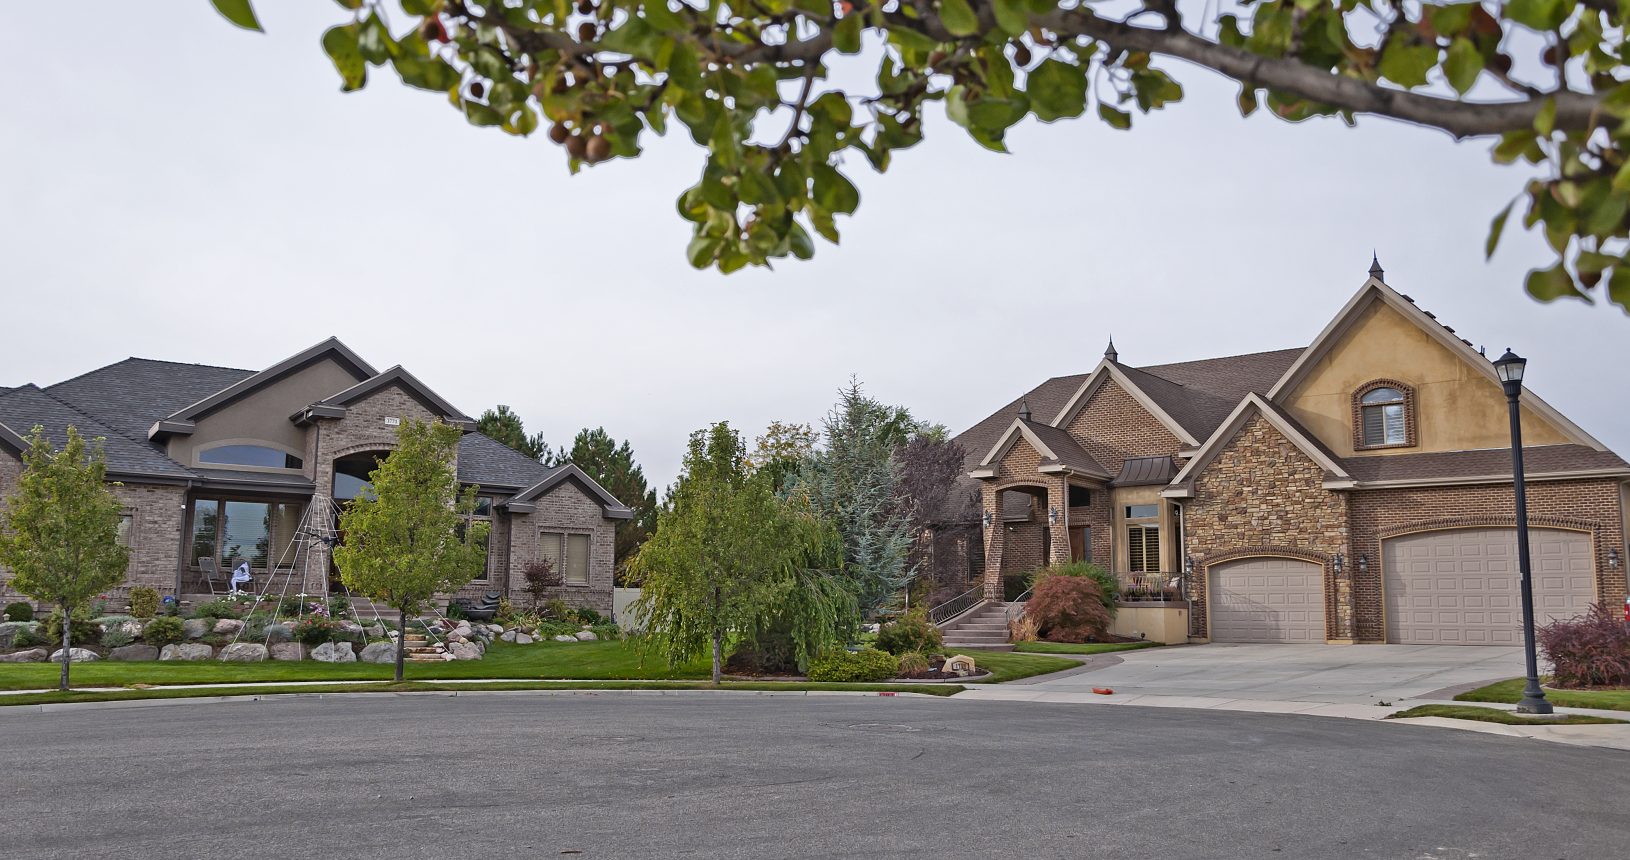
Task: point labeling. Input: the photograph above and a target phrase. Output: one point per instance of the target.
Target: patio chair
(212, 575)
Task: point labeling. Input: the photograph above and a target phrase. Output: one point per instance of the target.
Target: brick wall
(566, 508)
(1114, 427)
(1387, 513)
(10, 468)
(155, 533)
(1263, 493)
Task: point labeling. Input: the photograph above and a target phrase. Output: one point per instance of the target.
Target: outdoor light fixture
(1613, 559)
(987, 519)
(1052, 516)
(1363, 564)
(1338, 562)
(1188, 564)
(1511, 368)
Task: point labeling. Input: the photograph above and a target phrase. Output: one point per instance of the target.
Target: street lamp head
(1510, 368)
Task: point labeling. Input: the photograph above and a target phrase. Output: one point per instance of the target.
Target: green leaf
(239, 12)
(1011, 16)
(1497, 227)
(701, 251)
(756, 189)
(834, 192)
(1057, 90)
(799, 242)
(958, 17)
(342, 46)
(1551, 284)
(846, 36)
(1545, 120)
(1405, 64)
(1450, 20)
(1618, 286)
(1248, 102)
(1463, 65)
(658, 15)
(1541, 15)
(1116, 118)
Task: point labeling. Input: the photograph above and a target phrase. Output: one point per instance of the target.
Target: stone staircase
(983, 628)
(421, 650)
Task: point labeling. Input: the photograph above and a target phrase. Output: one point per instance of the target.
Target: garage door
(1267, 600)
(1461, 587)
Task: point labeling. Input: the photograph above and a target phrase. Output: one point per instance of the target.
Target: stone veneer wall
(1261, 494)
(1378, 514)
(568, 509)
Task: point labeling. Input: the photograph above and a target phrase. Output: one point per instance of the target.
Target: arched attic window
(1384, 415)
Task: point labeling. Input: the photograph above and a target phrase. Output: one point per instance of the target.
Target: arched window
(351, 475)
(1384, 417)
(259, 456)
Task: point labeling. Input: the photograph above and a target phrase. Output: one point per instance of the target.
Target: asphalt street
(733, 776)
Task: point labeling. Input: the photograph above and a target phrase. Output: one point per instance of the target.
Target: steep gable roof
(1201, 394)
(1336, 475)
(1107, 371)
(1059, 452)
(612, 508)
(181, 420)
(1375, 290)
(21, 409)
(399, 377)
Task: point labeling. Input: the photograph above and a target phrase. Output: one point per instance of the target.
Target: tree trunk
(401, 644)
(718, 645)
(67, 629)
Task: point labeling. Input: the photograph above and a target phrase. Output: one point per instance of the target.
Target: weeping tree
(730, 559)
(59, 532)
(413, 537)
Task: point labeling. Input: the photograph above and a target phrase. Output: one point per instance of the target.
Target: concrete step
(978, 646)
(977, 637)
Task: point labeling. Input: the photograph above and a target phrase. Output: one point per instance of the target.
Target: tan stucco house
(1357, 489)
(218, 465)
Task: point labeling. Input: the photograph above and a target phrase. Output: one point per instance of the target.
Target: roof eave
(1472, 480)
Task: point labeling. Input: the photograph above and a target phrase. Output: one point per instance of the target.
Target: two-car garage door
(1460, 587)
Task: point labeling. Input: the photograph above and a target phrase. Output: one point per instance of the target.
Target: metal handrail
(1015, 607)
(1159, 587)
(957, 605)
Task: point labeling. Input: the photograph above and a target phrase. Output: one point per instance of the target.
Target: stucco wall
(264, 415)
(1457, 407)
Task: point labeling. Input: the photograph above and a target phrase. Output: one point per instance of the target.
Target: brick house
(219, 465)
(1355, 490)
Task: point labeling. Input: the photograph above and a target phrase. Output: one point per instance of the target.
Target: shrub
(588, 616)
(164, 630)
(606, 630)
(914, 663)
(540, 576)
(843, 666)
(81, 631)
(1022, 629)
(143, 602)
(339, 607)
(221, 607)
(1108, 585)
(505, 614)
(1590, 651)
(117, 637)
(315, 629)
(455, 611)
(557, 609)
(29, 637)
(19, 611)
(1069, 609)
(910, 632)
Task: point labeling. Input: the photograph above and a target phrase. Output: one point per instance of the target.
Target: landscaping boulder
(334, 652)
(195, 628)
(565, 638)
(523, 639)
(32, 655)
(278, 633)
(243, 652)
(495, 629)
(509, 635)
(132, 653)
(10, 629)
(465, 651)
(288, 651)
(376, 632)
(228, 626)
(76, 655)
(379, 652)
(585, 636)
(186, 651)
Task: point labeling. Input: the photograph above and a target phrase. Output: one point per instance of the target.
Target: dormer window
(1384, 413)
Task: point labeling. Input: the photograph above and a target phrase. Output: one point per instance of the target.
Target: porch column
(991, 522)
(1058, 521)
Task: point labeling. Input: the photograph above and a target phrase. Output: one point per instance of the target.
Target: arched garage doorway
(1267, 600)
(1460, 586)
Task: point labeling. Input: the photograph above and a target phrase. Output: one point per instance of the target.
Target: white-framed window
(568, 552)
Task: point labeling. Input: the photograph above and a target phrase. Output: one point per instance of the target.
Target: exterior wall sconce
(1188, 565)
(1613, 559)
(986, 518)
(1363, 564)
(1052, 516)
(1338, 563)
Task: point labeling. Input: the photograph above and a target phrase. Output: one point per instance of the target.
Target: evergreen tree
(503, 425)
(613, 467)
(59, 532)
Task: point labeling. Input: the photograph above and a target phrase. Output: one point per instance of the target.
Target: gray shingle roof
(23, 408)
(132, 394)
(1495, 462)
(490, 463)
(1070, 453)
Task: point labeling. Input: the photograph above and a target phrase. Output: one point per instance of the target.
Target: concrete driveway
(1334, 674)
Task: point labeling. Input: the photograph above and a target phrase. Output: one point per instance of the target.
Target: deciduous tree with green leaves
(59, 531)
(729, 558)
(413, 538)
(749, 81)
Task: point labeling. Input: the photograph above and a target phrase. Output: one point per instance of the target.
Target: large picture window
(229, 530)
(569, 553)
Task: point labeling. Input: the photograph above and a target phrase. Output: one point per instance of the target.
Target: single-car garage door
(1460, 587)
(1267, 600)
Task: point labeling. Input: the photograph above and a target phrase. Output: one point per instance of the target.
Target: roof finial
(1110, 352)
(1376, 271)
(1024, 410)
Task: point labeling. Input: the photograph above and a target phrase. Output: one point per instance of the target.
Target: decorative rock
(76, 655)
(228, 626)
(32, 655)
(195, 628)
(10, 629)
(465, 651)
(585, 636)
(376, 632)
(565, 638)
(243, 652)
(134, 628)
(960, 664)
(186, 651)
(509, 635)
(334, 652)
(495, 629)
(523, 639)
(131, 653)
(278, 633)
(288, 651)
(350, 627)
(379, 652)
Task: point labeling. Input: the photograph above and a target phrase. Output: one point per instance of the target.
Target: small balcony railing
(1151, 587)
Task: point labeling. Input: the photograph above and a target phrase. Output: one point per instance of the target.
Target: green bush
(19, 611)
(143, 602)
(606, 630)
(845, 666)
(557, 609)
(588, 616)
(81, 631)
(164, 630)
(339, 607)
(548, 629)
(1108, 584)
(315, 630)
(117, 637)
(913, 662)
(221, 607)
(910, 632)
(29, 637)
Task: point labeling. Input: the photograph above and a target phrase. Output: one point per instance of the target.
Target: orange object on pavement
(1103, 691)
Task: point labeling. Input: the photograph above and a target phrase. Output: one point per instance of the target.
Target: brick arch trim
(1319, 558)
(1411, 424)
(361, 448)
(1454, 523)
(1022, 484)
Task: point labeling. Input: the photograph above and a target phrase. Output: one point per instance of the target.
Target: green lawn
(1011, 665)
(1511, 692)
(1494, 715)
(1084, 648)
(422, 686)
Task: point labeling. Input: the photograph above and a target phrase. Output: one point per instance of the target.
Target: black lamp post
(1510, 369)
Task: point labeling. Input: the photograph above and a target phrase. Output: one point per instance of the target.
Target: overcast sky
(179, 189)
